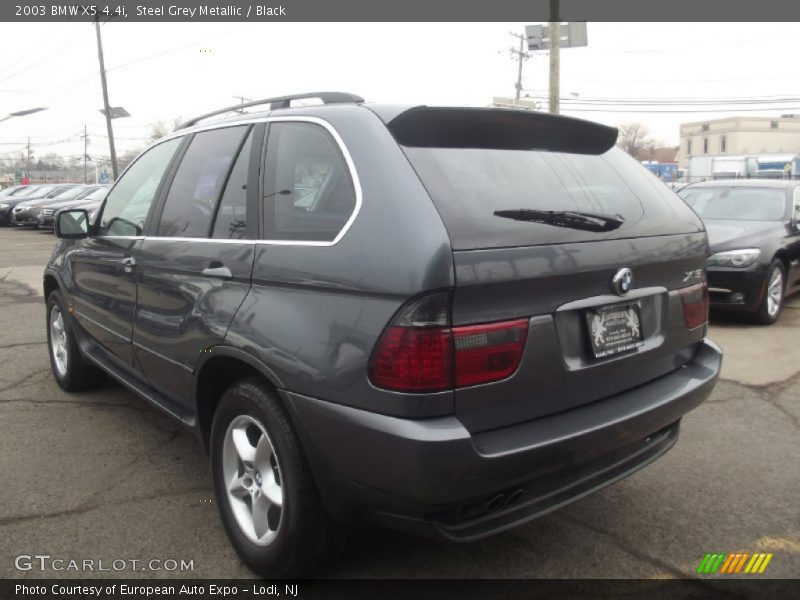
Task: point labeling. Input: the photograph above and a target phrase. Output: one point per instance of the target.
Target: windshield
(70, 193)
(58, 190)
(736, 204)
(41, 190)
(97, 194)
(30, 190)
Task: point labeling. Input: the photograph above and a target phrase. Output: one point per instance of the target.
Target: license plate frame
(614, 328)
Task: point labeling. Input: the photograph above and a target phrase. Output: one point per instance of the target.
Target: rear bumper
(433, 478)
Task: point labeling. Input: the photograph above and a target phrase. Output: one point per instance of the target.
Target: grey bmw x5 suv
(448, 321)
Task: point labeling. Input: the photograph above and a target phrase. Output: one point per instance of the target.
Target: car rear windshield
(473, 188)
(737, 204)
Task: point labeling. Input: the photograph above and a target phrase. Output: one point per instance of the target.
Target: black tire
(762, 314)
(77, 375)
(306, 537)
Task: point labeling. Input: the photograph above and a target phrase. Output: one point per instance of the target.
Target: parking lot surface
(103, 476)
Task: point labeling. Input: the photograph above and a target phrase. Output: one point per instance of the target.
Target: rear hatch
(543, 215)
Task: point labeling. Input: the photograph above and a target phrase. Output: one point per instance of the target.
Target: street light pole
(107, 108)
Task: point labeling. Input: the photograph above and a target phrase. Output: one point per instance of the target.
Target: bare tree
(127, 157)
(635, 139)
(19, 161)
(158, 130)
(161, 128)
(52, 161)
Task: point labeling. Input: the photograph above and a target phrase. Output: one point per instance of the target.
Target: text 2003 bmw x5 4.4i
(445, 320)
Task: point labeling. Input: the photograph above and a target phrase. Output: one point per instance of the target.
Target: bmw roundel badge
(622, 281)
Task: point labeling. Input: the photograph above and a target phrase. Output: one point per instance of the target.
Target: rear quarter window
(309, 194)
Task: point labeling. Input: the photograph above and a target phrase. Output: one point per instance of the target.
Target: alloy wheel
(774, 293)
(58, 341)
(252, 479)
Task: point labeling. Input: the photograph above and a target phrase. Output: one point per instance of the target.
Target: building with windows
(748, 136)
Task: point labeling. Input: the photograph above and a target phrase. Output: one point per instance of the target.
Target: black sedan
(14, 189)
(20, 194)
(89, 199)
(26, 211)
(754, 235)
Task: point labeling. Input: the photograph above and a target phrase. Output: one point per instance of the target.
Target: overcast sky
(162, 71)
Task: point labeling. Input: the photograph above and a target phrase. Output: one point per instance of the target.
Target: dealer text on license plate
(614, 328)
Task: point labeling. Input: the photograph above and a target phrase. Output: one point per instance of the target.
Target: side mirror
(72, 224)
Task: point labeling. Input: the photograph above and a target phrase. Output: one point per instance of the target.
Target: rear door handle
(127, 263)
(217, 270)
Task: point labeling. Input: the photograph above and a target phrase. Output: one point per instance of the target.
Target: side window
(231, 221)
(127, 204)
(308, 192)
(195, 189)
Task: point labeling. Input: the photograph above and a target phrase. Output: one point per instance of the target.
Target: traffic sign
(571, 35)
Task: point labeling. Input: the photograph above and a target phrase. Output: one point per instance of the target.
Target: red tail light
(695, 304)
(488, 352)
(410, 359)
(420, 352)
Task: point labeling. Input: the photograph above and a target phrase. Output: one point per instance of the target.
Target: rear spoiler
(499, 128)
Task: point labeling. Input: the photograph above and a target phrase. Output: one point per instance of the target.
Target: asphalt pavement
(103, 476)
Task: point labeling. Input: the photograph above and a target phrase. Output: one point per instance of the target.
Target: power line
(37, 44)
(667, 112)
(74, 84)
(732, 105)
(694, 49)
(203, 40)
(673, 101)
(704, 80)
(48, 56)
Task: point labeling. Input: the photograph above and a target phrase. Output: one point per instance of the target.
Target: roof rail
(279, 102)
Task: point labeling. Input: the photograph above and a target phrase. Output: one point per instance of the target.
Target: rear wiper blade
(585, 221)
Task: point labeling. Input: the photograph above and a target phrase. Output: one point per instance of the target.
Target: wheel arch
(782, 255)
(221, 367)
(50, 283)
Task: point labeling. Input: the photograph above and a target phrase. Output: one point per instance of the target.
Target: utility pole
(555, 43)
(85, 151)
(106, 106)
(520, 56)
(242, 101)
(28, 162)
